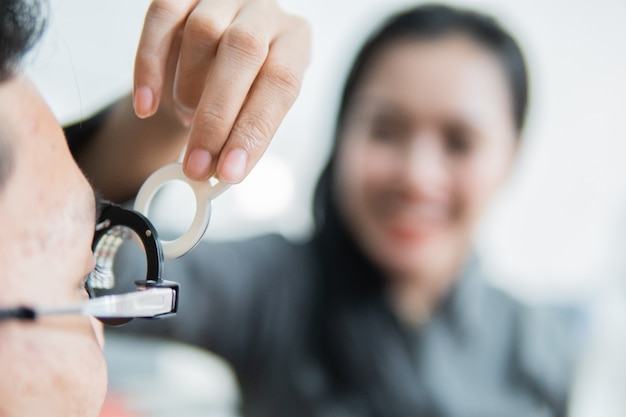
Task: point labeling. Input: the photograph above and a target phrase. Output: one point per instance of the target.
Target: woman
(384, 312)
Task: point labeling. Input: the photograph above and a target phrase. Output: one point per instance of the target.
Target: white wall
(557, 232)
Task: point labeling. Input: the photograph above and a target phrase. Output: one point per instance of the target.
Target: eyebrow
(370, 101)
(373, 103)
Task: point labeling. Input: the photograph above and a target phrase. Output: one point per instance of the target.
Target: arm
(124, 150)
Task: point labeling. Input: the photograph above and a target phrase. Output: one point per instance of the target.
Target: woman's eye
(458, 141)
(387, 130)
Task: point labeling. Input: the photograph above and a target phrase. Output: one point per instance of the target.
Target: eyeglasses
(154, 298)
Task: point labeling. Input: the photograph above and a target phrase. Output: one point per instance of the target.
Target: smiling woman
(421, 153)
(384, 311)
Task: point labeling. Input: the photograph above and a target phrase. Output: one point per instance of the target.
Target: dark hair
(357, 337)
(21, 24)
(430, 21)
(435, 21)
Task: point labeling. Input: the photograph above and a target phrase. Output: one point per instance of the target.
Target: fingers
(229, 68)
(203, 31)
(271, 96)
(163, 21)
(240, 56)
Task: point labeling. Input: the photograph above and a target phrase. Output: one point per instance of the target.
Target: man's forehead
(26, 122)
(18, 101)
(43, 170)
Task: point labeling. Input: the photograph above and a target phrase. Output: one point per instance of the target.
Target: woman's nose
(423, 165)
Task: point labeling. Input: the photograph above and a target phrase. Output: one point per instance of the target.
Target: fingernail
(198, 164)
(234, 166)
(144, 101)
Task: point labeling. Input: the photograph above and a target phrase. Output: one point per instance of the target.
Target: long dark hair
(359, 341)
(431, 22)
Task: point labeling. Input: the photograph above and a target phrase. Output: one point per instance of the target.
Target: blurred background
(557, 234)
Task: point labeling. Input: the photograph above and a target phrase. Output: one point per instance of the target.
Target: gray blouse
(482, 353)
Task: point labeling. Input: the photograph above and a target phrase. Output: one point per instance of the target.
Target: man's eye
(88, 279)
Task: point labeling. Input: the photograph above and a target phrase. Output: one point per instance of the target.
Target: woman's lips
(410, 233)
(415, 224)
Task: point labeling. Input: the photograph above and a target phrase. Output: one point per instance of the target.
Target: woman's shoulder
(548, 323)
(545, 342)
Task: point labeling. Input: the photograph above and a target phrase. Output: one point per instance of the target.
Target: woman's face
(428, 138)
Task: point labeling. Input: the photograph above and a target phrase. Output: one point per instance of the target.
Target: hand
(229, 69)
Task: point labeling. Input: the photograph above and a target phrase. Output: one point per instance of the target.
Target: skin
(218, 77)
(53, 366)
(429, 139)
(214, 77)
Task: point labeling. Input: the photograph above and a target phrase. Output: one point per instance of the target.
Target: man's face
(53, 366)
